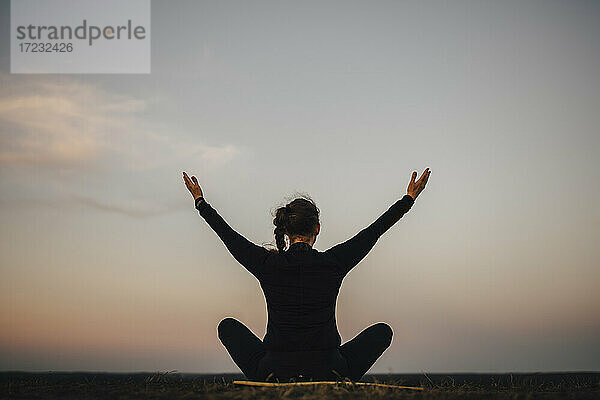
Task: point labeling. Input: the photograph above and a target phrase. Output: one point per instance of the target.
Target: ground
(173, 385)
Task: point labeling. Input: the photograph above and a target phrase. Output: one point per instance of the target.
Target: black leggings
(351, 360)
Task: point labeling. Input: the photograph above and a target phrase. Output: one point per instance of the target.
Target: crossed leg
(362, 351)
(244, 347)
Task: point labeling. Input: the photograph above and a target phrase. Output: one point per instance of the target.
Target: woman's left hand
(193, 186)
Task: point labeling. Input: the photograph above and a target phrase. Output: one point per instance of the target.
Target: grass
(172, 385)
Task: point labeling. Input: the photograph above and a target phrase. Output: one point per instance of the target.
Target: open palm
(193, 186)
(416, 187)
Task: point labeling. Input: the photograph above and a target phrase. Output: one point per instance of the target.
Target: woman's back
(301, 287)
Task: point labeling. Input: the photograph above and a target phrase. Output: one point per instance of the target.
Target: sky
(105, 265)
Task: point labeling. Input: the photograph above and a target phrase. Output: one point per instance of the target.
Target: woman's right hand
(414, 188)
(193, 186)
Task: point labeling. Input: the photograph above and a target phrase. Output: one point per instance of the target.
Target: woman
(301, 285)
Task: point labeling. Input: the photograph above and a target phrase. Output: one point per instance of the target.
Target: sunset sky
(105, 265)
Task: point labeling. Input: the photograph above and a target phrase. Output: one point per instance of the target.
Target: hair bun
(300, 217)
(281, 217)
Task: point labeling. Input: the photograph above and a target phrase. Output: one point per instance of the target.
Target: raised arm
(251, 256)
(353, 250)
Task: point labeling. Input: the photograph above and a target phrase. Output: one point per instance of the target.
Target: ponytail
(280, 222)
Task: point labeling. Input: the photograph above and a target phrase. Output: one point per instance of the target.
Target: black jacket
(301, 285)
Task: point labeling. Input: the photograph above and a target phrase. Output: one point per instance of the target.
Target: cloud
(67, 125)
(103, 139)
(47, 131)
(135, 208)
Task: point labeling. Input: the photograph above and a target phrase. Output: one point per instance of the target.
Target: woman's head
(299, 219)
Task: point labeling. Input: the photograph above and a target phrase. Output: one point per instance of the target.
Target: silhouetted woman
(301, 285)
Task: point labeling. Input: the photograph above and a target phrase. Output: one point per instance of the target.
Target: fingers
(424, 176)
(190, 182)
(423, 181)
(186, 179)
(414, 188)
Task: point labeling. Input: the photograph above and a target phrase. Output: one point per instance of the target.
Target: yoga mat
(332, 383)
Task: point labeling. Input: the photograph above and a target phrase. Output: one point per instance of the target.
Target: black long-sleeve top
(301, 284)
